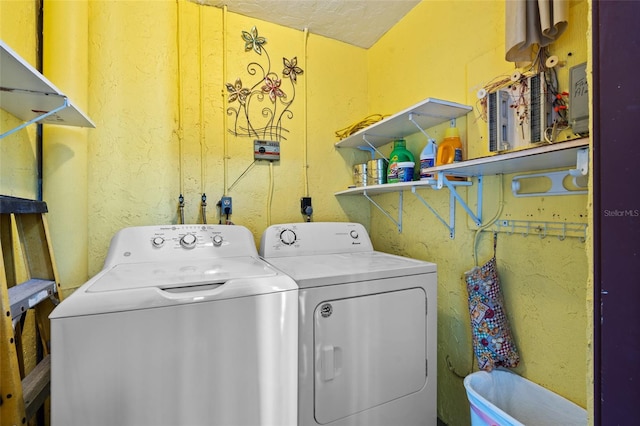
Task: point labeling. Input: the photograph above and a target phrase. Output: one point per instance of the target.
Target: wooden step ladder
(29, 290)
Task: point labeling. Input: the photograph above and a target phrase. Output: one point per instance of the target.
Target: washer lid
(167, 275)
(136, 286)
(329, 269)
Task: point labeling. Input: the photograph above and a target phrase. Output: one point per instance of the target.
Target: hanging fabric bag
(493, 343)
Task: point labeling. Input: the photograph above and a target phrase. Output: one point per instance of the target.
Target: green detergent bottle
(399, 154)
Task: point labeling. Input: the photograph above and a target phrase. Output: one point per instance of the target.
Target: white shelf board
(27, 94)
(426, 114)
(387, 187)
(546, 157)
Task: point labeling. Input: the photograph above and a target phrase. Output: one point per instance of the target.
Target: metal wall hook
(543, 229)
(563, 235)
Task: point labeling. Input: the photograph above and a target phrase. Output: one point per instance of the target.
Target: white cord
(491, 222)
(270, 193)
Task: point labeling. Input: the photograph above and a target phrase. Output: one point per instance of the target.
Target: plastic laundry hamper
(503, 398)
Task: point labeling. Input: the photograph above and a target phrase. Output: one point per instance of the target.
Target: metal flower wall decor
(268, 85)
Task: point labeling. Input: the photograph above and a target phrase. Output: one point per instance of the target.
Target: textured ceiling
(357, 22)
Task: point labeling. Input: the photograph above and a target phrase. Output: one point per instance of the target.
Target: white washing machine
(367, 326)
(184, 326)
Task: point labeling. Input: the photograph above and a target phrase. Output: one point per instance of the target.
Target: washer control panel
(312, 238)
(175, 242)
(187, 237)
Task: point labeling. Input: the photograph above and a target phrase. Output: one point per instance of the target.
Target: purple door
(616, 210)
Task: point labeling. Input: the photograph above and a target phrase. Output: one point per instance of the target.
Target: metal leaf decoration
(267, 83)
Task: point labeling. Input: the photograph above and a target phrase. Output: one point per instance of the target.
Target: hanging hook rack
(562, 230)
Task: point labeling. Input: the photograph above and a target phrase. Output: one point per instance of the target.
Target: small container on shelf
(360, 174)
(405, 171)
(377, 171)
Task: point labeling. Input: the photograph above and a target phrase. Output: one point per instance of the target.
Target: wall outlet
(305, 206)
(225, 205)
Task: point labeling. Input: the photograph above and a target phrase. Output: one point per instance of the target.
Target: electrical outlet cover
(225, 205)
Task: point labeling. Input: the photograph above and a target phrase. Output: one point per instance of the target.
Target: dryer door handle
(331, 359)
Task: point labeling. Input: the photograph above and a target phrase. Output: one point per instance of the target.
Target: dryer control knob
(157, 242)
(354, 234)
(217, 240)
(188, 241)
(288, 237)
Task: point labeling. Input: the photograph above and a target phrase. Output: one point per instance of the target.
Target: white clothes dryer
(367, 326)
(185, 325)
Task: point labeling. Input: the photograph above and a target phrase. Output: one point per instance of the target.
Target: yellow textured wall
(18, 151)
(161, 131)
(65, 147)
(160, 122)
(449, 50)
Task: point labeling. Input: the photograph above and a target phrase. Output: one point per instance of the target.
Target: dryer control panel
(313, 238)
(175, 242)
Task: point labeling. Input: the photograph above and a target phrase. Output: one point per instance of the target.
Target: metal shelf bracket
(371, 148)
(453, 197)
(419, 127)
(64, 105)
(398, 222)
(451, 226)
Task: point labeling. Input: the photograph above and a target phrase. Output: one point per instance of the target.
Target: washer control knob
(157, 241)
(354, 234)
(288, 237)
(188, 241)
(217, 240)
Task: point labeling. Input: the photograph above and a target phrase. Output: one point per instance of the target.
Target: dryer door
(368, 350)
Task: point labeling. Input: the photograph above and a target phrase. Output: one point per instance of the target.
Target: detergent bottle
(450, 149)
(428, 159)
(399, 154)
